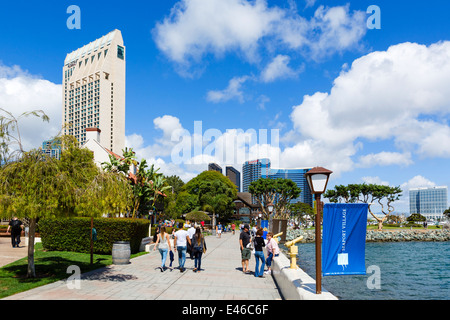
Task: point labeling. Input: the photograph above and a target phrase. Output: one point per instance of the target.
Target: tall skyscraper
(429, 202)
(298, 176)
(94, 91)
(234, 176)
(253, 170)
(261, 168)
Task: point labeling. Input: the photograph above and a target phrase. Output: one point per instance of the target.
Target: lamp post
(317, 180)
(270, 208)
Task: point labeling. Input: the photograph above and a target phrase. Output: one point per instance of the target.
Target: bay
(407, 270)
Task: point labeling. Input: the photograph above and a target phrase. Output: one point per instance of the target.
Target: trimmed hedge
(73, 234)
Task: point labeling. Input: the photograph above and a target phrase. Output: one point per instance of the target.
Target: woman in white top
(164, 246)
(272, 249)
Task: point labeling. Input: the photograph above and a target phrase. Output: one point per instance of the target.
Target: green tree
(197, 216)
(37, 186)
(147, 184)
(10, 134)
(175, 182)
(169, 201)
(301, 211)
(367, 193)
(122, 164)
(279, 192)
(209, 191)
(416, 217)
(447, 213)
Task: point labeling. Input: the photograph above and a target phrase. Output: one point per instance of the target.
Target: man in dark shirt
(246, 253)
(16, 226)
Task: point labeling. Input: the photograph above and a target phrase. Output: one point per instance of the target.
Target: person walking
(190, 250)
(219, 230)
(199, 248)
(259, 254)
(233, 227)
(164, 246)
(180, 242)
(246, 253)
(16, 227)
(273, 251)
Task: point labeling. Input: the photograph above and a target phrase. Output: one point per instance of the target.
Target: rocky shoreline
(382, 236)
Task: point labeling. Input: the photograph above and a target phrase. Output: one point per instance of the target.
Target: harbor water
(395, 270)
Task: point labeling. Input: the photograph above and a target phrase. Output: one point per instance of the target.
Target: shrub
(168, 230)
(73, 234)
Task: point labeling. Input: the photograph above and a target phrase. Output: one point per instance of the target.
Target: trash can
(121, 252)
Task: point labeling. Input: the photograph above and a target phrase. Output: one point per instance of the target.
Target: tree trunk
(31, 272)
(380, 225)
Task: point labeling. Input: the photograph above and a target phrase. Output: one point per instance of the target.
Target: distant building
(51, 149)
(101, 154)
(246, 211)
(214, 167)
(260, 168)
(298, 176)
(253, 170)
(429, 202)
(234, 176)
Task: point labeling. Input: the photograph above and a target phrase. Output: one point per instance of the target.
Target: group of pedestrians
(255, 245)
(191, 240)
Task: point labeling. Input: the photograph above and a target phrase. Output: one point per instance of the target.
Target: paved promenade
(221, 278)
(8, 254)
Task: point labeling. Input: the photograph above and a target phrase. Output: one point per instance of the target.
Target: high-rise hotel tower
(94, 91)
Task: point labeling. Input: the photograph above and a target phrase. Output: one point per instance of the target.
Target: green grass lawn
(50, 266)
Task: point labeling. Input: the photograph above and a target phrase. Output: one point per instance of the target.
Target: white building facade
(429, 202)
(94, 91)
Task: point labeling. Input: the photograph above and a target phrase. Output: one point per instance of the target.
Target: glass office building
(51, 149)
(429, 202)
(253, 170)
(298, 176)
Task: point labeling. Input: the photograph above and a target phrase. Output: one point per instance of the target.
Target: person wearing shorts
(246, 253)
(219, 230)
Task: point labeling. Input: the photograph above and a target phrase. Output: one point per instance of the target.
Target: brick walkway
(221, 278)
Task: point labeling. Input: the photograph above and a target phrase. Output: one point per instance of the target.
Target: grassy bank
(50, 266)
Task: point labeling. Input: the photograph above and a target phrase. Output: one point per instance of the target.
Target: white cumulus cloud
(196, 28)
(399, 95)
(21, 92)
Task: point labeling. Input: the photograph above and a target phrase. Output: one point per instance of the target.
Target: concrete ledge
(147, 244)
(295, 284)
(36, 240)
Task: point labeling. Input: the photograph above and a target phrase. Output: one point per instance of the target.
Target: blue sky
(372, 105)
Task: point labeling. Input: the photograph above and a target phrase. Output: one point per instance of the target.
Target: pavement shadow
(248, 272)
(106, 274)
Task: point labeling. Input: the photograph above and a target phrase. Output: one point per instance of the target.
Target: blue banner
(265, 226)
(344, 238)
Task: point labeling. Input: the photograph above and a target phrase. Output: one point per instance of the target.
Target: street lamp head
(270, 207)
(317, 179)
